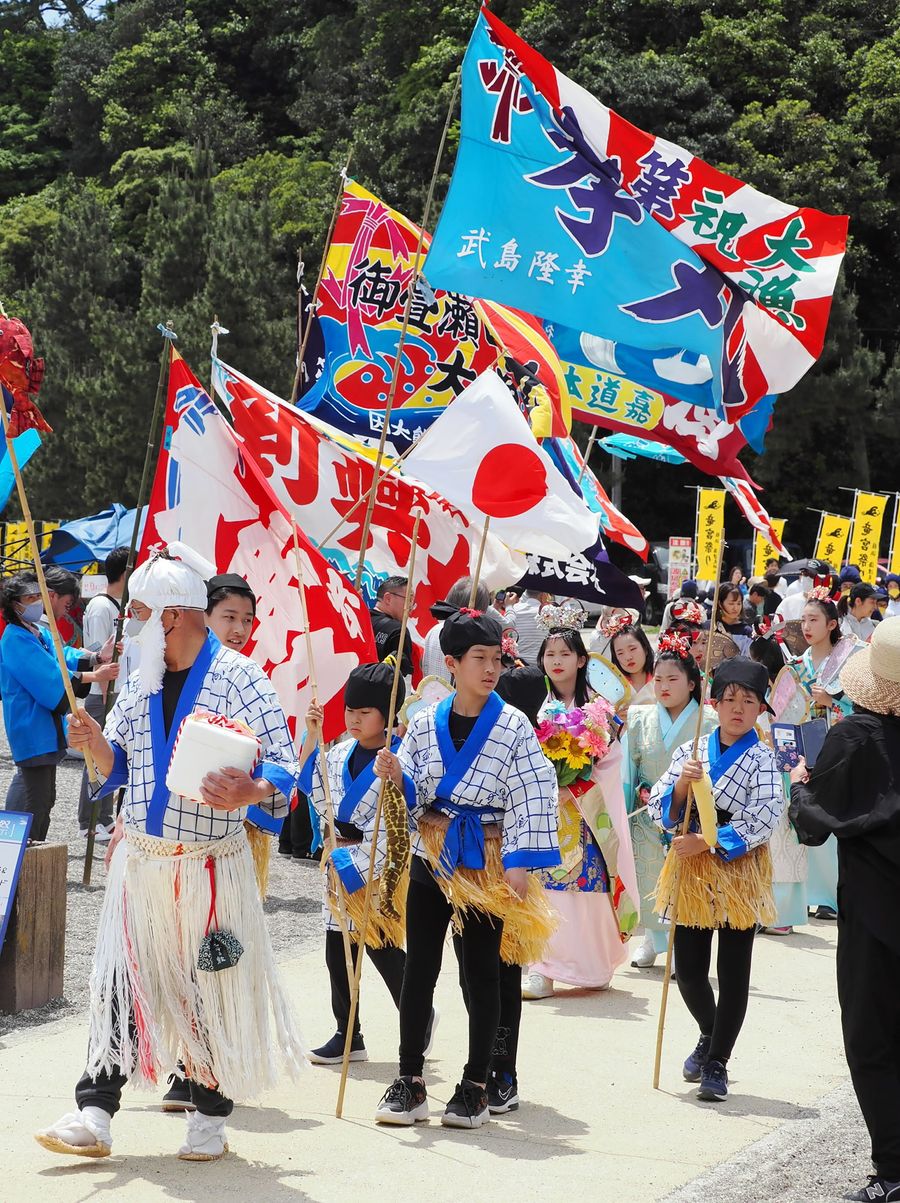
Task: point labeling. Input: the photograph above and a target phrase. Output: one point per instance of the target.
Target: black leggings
(389, 962)
(428, 916)
(39, 788)
(720, 1021)
(506, 1042)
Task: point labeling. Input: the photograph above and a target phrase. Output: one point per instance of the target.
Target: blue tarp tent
(76, 544)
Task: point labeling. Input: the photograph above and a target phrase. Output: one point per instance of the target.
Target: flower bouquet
(573, 740)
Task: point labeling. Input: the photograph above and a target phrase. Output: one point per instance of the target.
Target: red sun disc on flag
(510, 481)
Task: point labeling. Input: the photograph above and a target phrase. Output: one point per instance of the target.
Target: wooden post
(370, 880)
(587, 453)
(685, 827)
(411, 288)
(168, 337)
(477, 573)
(31, 964)
(331, 832)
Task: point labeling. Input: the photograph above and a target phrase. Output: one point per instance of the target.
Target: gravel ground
(293, 908)
(819, 1156)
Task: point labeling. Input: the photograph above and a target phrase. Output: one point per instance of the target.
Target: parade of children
(451, 710)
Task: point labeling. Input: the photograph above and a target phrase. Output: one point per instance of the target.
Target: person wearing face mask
(892, 585)
(34, 697)
(191, 974)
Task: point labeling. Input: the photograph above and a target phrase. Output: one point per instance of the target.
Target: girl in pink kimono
(594, 890)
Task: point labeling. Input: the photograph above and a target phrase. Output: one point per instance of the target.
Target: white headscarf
(173, 577)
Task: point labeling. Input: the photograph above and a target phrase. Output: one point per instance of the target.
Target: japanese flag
(481, 455)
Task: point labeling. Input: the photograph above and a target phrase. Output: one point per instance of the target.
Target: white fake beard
(152, 644)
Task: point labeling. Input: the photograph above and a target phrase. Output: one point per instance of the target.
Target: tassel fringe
(382, 931)
(261, 850)
(715, 893)
(528, 923)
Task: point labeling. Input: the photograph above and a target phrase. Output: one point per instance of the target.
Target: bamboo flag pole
(587, 453)
(301, 340)
(384, 471)
(477, 573)
(168, 336)
(410, 290)
(685, 827)
(370, 879)
(331, 829)
(42, 584)
(295, 391)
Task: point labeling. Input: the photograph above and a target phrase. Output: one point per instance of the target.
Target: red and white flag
(320, 479)
(481, 455)
(210, 494)
(753, 510)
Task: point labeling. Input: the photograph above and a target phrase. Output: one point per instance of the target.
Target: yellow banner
(710, 529)
(833, 535)
(18, 550)
(763, 549)
(895, 542)
(868, 516)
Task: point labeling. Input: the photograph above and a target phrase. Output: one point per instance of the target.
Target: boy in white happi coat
(183, 969)
(486, 810)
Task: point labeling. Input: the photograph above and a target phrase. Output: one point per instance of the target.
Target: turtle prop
(21, 375)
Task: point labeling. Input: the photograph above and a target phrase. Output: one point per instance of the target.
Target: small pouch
(219, 949)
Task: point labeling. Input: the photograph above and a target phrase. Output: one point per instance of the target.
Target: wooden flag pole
(295, 391)
(42, 586)
(386, 470)
(476, 575)
(301, 335)
(331, 829)
(168, 337)
(410, 290)
(587, 453)
(685, 827)
(370, 879)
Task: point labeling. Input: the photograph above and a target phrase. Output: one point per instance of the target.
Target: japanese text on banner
(763, 549)
(832, 542)
(710, 530)
(868, 516)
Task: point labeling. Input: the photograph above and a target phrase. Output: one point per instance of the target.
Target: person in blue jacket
(33, 694)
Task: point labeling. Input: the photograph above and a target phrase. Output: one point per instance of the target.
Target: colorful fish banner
(709, 290)
(567, 456)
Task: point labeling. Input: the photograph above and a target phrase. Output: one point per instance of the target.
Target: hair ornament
(611, 627)
(671, 641)
(821, 593)
(567, 617)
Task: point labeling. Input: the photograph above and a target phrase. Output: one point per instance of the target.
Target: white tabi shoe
(535, 985)
(205, 1139)
(646, 954)
(80, 1134)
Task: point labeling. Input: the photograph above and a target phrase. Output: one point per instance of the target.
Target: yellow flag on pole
(832, 543)
(868, 516)
(710, 529)
(763, 549)
(894, 565)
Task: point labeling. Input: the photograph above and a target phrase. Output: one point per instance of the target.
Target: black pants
(722, 1020)
(296, 830)
(506, 1042)
(428, 916)
(868, 978)
(38, 796)
(105, 1092)
(389, 962)
(95, 705)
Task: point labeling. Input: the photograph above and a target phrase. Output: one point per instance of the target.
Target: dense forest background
(166, 158)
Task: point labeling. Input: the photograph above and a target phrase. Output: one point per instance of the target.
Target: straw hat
(871, 677)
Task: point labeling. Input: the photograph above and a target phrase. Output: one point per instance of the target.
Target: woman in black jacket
(853, 792)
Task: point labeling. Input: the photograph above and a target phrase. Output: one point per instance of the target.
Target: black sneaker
(502, 1093)
(404, 1102)
(713, 1083)
(693, 1067)
(332, 1053)
(178, 1096)
(878, 1190)
(826, 912)
(468, 1108)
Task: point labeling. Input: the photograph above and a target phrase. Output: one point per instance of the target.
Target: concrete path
(590, 1126)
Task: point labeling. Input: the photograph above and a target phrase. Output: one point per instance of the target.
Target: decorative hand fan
(431, 691)
(788, 699)
(604, 678)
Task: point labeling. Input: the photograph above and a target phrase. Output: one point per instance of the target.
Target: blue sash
(464, 841)
(163, 746)
(356, 787)
(720, 761)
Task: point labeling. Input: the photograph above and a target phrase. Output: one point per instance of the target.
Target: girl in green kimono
(653, 732)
